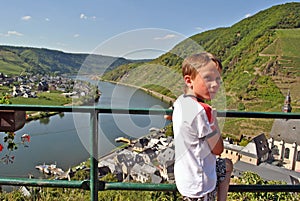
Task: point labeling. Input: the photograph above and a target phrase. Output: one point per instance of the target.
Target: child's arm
(215, 141)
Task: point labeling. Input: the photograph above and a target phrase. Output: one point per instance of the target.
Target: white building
(285, 142)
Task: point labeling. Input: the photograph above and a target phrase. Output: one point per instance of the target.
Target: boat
(122, 140)
(50, 169)
(43, 169)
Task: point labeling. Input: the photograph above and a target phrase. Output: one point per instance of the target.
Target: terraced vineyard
(284, 65)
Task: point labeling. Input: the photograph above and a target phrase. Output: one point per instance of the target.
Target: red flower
(28, 138)
(25, 138)
(1, 147)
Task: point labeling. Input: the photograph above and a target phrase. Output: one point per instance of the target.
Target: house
(167, 171)
(25, 95)
(136, 173)
(127, 165)
(148, 155)
(166, 158)
(156, 179)
(256, 151)
(138, 147)
(165, 155)
(109, 163)
(43, 86)
(145, 173)
(16, 91)
(153, 142)
(104, 170)
(139, 159)
(123, 156)
(231, 151)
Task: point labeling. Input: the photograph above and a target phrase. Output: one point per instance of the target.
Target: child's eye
(211, 79)
(208, 78)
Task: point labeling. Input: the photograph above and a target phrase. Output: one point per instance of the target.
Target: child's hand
(168, 116)
(214, 112)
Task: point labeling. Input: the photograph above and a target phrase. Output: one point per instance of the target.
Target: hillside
(15, 60)
(240, 47)
(260, 55)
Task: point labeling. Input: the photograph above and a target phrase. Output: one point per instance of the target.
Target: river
(63, 139)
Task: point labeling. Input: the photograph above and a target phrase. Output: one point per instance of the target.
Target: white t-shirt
(195, 165)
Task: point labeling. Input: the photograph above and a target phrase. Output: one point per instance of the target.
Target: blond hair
(191, 64)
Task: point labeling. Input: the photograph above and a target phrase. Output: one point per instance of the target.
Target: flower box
(12, 120)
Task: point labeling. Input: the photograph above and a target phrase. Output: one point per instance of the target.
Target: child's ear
(188, 80)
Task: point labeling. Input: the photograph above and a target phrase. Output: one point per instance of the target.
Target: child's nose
(215, 83)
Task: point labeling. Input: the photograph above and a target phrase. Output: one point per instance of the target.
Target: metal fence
(94, 185)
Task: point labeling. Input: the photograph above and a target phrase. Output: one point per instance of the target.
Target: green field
(287, 43)
(44, 98)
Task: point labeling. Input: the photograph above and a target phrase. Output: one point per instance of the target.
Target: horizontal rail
(86, 109)
(44, 183)
(271, 115)
(103, 186)
(264, 188)
(172, 187)
(143, 111)
(138, 186)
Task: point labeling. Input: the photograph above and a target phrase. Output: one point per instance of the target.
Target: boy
(197, 137)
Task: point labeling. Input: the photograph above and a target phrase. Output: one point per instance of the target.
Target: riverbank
(163, 98)
(39, 115)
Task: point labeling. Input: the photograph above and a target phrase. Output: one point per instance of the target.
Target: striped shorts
(221, 172)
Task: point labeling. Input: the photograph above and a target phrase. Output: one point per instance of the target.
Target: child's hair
(191, 64)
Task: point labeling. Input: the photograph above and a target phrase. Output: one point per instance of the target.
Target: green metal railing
(94, 185)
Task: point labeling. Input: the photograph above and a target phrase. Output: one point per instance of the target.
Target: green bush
(253, 178)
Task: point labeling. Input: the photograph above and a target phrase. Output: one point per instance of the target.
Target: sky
(132, 29)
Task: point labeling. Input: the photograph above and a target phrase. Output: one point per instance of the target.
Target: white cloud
(85, 17)
(47, 19)
(199, 28)
(76, 35)
(166, 37)
(248, 15)
(12, 33)
(26, 18)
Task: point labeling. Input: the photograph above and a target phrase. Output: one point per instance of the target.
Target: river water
(64, 139)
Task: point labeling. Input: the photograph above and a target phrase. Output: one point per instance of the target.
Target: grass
(44, 98)
(247, 127)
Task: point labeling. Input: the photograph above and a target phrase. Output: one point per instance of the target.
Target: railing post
(94, 155)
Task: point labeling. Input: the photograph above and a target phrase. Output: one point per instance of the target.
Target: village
(28, 86)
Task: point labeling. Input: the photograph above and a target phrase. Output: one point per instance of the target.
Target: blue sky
(128, 28)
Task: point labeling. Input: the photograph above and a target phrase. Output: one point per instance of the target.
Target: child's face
(207, 82)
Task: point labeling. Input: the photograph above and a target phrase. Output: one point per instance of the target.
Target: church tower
(287, 103)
